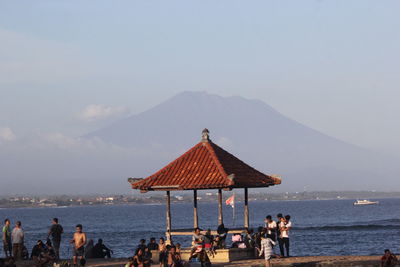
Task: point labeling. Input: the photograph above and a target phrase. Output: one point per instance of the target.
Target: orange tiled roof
(205, 166)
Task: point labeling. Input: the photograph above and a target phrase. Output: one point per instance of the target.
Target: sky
(70, 67)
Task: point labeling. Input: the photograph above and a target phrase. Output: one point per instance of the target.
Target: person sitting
(142, 244)
(388, 259)
(50, 252)
(147, 256)
(197, 236)
(198, 254)
(153, 244)
(139, 260)
(222, 233)
(249, 238)
(208, 240)
(130, 262)
(237, 241)
(174, 258)
(101, 251)
(37, 254)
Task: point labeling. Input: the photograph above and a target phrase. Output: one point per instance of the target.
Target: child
(267, 248)
(162, 248)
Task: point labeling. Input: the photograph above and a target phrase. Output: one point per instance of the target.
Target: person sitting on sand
(38, 254)
(139, 260)
(267, 249)
(162, 249)
(153, 244)
(100, 251)
(50, 252)
(388, 259)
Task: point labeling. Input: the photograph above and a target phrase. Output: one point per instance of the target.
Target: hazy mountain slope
(257, 134)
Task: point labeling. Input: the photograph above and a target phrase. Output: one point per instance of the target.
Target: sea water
(323, 227)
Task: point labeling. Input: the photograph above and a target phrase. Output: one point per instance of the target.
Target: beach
(312, 261)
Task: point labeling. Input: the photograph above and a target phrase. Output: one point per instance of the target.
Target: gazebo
(204, 166)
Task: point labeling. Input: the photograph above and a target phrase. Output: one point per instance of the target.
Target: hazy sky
(68, 67)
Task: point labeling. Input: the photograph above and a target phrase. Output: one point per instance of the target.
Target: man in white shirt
(285, 225)
(270, 226)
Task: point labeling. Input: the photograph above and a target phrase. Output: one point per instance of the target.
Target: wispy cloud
(100, 112)
(6, 134)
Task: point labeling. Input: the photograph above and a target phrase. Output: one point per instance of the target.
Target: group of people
(169, 254)
(47, 252)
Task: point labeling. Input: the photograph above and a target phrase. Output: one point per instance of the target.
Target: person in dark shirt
(278, 234)
(56, 230)
(101, 251)
(142, 245)
(388, 259)
(153, 244)
(38, 254)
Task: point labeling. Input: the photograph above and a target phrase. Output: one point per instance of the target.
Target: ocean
(320, 227)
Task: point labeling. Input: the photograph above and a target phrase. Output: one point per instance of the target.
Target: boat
(365, 202)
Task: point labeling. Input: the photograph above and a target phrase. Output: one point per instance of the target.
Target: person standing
(278, 233)
(79, 242)
(56, 230)
(17, 238)
(285, 227)
(270, 226)
(267, 245)
(7, 238)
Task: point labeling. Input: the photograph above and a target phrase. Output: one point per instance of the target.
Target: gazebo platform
(203, 167)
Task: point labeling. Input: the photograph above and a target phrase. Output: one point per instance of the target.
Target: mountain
(259, 135)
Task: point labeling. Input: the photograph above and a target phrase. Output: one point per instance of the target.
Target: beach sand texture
(317, 261)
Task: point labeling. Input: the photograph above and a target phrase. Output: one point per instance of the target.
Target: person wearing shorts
(79, 242)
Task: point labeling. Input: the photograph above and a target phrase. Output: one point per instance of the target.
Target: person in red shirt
(388, 259)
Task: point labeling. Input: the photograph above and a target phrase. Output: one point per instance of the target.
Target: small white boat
(365, 202)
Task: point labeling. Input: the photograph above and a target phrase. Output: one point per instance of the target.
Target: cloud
(6, 134)
(101, 112)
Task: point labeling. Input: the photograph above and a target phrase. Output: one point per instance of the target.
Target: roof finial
(205, 135)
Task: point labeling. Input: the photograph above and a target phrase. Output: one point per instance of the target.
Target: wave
(348, 227)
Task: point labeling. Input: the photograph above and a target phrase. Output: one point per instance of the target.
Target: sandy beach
(312, 261)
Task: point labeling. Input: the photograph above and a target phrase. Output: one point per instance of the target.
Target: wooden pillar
(220, 217)
(246, 208)
(195, 216)
(168, 216)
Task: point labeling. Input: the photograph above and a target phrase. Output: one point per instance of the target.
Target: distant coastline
(178, 197)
